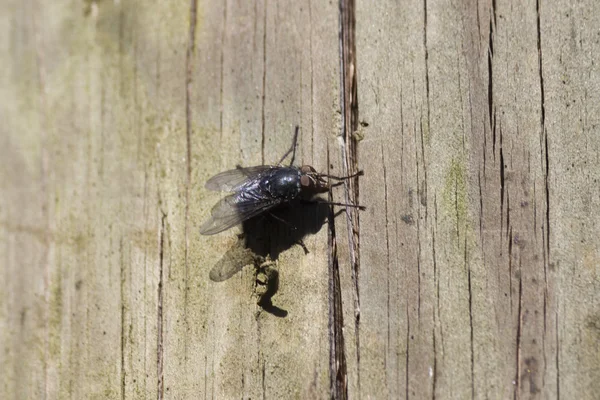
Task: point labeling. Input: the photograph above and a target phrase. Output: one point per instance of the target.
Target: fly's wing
(230, 181)
(234, 209)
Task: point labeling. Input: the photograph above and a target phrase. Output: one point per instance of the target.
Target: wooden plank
(467, 117)
(111, 295)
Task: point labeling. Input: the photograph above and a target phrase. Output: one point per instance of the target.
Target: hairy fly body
(255, 190)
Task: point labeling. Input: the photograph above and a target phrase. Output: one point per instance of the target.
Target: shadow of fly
(257, 190)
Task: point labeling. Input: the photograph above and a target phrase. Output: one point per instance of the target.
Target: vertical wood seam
(159, 320)
(188, 136)
(349, 104)
(338, 379)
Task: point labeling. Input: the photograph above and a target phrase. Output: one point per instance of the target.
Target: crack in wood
(188, 136)
(426, 49)
(471, 333)
(387, 247)
(491, 111)
(264, 86)
(518, 339)
(122, 293)
(420, 195)
(338, 380)
(349, 104)
(557, 358)
(160, 390)
(423, 189)
(407, 358)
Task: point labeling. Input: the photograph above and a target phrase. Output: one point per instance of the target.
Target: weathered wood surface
(472, 274)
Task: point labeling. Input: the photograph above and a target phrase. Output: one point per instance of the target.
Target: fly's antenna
(292, 149)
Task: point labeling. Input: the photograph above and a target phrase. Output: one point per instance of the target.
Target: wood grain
(473, 273)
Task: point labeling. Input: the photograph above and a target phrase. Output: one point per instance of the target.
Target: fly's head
(311, 182)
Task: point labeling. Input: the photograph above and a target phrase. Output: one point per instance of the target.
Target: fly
(256, 190)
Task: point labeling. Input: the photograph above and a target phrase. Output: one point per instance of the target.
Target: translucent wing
(234, 209)
(230, 181)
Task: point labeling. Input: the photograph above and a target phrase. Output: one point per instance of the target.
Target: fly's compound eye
(305, 181)
(306, 169)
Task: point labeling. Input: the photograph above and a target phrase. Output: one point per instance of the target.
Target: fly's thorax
(283, 182)
(311, 182)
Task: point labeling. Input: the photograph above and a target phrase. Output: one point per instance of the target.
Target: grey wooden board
(473, 281)
(479, 248)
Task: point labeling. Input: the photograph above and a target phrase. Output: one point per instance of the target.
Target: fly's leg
(292, 149)
(343, 178)
(340, 182)
(332, 203)
(282, 221)
(300, 243)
